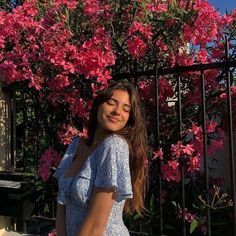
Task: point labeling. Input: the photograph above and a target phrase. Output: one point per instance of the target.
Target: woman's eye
(127, 109)
(111, 102)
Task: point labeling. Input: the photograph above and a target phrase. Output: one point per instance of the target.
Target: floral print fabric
(107, 166)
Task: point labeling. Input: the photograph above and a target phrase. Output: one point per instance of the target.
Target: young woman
(105, 173)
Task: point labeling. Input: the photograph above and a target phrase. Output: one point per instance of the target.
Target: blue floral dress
(107, 166)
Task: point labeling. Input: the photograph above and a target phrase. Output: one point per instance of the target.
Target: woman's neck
(100, 134)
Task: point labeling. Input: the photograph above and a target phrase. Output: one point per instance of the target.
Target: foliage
(58, 54)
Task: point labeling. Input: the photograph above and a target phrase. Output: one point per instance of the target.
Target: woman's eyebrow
(117, 102)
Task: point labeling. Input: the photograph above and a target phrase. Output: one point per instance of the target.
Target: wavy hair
(135, 134)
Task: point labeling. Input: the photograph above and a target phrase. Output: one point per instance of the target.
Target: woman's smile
(113, 119)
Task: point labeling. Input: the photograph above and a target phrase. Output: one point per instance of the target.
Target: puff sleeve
(113, 167)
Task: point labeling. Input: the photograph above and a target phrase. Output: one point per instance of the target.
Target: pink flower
(103, 78)
(52, 233)
(173, 164)
(135, 44)
(197, 130)
(233, 93)
(84, 133)
(194, 163)
(198, 33)
(202, 56)
(187, 149)
(36, 82)
(92, 8)
(145, 90)
(95, 56)
(226, 19)
(161, 45)
(170, 171)
(166, 89)
(136, 47)
(59, 82)
(158, 154)
(2, 42)
(9, 71)
(176, 150)
(211, 126)
(67, 133)
(158, 7)
(183, 59)
(44, 171)
(144, 29)
(187, 215)
(49, 159)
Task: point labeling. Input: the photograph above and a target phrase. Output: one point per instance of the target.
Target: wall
(5, 128)
(5, 162)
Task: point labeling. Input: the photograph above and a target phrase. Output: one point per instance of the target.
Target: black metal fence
(227, 66)
(177, 75)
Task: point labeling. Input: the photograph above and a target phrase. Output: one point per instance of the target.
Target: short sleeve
(113, 167)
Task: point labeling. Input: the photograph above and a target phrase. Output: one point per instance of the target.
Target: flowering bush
(48, 160)
(60, 53)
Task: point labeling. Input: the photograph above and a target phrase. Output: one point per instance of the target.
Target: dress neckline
(87, 159)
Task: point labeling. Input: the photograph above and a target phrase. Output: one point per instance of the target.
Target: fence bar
(24, 110)
(231, 138)
(182, 157)
(205, 152)
(13, 128)
(36, 111)
(6, 107)
(179, 69)
(156, 80)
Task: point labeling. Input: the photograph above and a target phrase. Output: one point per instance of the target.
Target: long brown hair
(134, 133)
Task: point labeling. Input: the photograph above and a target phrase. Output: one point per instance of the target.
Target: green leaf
(137, 216)
(193, 225)
(46, 208)
(169, 227)
(152, 203)
(120, 41)
(174, 203)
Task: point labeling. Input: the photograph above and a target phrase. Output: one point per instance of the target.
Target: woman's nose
(116, 110)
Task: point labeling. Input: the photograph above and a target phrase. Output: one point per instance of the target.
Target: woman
(104, 173)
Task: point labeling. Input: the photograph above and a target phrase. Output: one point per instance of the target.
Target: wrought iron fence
(227, 77)
(226, 65)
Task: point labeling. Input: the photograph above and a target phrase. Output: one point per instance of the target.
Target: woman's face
(114, 114)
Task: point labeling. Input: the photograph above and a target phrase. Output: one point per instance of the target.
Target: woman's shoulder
(115, 141)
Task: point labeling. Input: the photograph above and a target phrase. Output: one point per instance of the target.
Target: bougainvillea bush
(57, 54)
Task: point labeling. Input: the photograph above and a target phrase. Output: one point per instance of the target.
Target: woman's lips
(113, 119)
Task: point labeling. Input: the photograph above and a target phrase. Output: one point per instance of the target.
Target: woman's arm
(98, 212)
(61, 220)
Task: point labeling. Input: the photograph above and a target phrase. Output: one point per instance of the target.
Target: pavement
(32, 228)
(3, 232)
